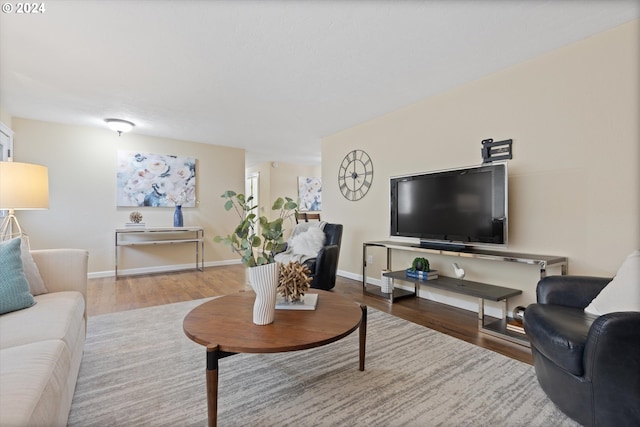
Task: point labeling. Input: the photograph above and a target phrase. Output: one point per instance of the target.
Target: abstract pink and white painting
(158, 180)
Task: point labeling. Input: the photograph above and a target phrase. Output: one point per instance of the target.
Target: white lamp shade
(23, 186)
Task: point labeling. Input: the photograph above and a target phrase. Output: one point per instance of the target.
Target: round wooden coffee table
(225, 326)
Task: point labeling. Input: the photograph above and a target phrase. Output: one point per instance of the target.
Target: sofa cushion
(14, 288)
(623, 292)
(57, 315)
(559, 333)
(33, 379)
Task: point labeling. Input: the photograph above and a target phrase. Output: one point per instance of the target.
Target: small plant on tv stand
(420, 264)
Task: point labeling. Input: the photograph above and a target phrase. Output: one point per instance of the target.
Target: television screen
(466, 206)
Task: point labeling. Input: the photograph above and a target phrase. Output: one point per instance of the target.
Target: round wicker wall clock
(355, 175)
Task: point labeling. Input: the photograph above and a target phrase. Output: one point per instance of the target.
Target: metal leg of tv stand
(389, 268)
(503, 312)
(499, 333)
(391, 296)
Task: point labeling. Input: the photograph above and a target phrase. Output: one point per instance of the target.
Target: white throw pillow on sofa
(623, 292)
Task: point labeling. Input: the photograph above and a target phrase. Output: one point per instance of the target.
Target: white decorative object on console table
(145, 236)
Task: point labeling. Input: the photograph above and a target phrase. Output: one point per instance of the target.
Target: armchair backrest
(326, 264)
(333, 233)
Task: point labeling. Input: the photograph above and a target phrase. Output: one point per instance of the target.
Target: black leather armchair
(324, 267)
(588, 365)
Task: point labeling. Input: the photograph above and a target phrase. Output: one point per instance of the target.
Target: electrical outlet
(369, 259)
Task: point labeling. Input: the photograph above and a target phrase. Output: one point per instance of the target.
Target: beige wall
(82, 185)
(5, 117)
(574, 180)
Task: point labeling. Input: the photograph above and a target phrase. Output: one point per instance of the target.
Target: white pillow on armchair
(303, 245)
(308, 243)
(623, 292)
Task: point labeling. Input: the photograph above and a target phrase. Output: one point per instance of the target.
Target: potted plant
(420, 264)
(256, 240)
(420, 269)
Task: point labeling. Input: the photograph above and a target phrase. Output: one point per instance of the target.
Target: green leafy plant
(420, 264)
(256, 239)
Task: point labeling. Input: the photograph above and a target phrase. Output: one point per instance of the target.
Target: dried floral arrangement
(135, 217)
(294, 281)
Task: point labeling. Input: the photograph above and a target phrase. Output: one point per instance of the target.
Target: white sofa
(41, 346)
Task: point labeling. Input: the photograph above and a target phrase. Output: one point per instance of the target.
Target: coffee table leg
(363, 335)
(212, 385)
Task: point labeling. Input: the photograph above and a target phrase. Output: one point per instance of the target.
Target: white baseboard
(158, 269)
(350, 275)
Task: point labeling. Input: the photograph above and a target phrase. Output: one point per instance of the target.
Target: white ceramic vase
(264, 281)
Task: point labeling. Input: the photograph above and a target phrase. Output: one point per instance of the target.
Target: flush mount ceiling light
(119, 125)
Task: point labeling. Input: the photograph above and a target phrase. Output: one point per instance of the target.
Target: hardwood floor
(107, 295)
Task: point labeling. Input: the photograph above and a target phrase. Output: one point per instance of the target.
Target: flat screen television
(456, 207)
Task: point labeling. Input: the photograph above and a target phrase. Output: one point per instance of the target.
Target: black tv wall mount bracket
(493, 151)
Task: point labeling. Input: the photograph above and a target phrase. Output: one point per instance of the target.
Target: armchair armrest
(611, 356)
(63, 269)
(569, 291)
(326, 255)
(326, 267)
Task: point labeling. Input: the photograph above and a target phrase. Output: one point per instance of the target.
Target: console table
(482, 291)
(145, 236)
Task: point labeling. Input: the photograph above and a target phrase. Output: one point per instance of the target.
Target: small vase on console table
(178, 221)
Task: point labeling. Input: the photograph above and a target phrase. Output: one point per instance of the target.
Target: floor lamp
(23, 186)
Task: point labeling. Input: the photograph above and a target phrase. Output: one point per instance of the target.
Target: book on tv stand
(515, 326)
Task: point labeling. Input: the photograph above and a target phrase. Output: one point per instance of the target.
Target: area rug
(139, 369)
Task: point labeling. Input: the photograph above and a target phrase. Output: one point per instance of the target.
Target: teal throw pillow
(14, 288)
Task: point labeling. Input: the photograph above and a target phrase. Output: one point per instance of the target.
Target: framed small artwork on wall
(310, 193)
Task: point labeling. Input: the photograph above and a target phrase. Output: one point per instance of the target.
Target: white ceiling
(273, 77)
